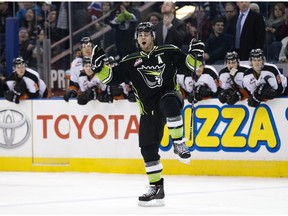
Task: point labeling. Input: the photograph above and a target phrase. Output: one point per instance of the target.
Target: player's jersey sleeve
(249, 81)
(224, 78)
(238, 79)
(209, 78)
(272, 76)
(76, 67)
(117, 74)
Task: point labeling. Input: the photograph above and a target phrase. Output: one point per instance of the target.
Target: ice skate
(154, 197)
(182, 151)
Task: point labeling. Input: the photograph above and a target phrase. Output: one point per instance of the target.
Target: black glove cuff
(239, 95)
(256, 98)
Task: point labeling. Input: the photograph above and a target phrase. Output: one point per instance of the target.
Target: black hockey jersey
(151, 74)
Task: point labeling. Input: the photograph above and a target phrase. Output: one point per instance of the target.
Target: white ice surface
(117, 194)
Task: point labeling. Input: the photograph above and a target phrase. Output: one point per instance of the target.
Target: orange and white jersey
(209, 77)
(269, 75)
(225, 77)
(76, 67)
(86, 83)
(31, 78)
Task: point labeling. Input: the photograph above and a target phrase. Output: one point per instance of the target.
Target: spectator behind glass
(25, 46)
(201, 21)
(125, 19)
(273, 41)
(62, 19)
(31, 24)
(80, 18)
(36, 62)
(154, 18)
(283, 55)
(5, 12)
(255, 7)
(283, 29)
(95, 10)
(50, 25)
(46, 7)
(274, 21)
(62, 29)
(213, 9)
(230, 12)
(106, 7)
(170, 30)
(252, 33)
(218, 43)
(22, 9)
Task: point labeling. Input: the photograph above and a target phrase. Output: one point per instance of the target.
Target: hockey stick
(193, 99)
(193, 92)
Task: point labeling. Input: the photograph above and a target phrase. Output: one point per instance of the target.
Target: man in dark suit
(170, 30)
(251, 33)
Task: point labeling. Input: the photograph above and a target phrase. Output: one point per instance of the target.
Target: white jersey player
(89, 85)
(264, 81)
(206, 84)
(231, 80)
(75, 68)
(24, 83)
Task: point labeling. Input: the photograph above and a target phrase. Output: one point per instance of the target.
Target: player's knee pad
(171, 104)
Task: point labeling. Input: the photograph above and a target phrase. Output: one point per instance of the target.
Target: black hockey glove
(223, 95)
(202, 92)
(20, 87)
(253, 101)
(196, 49)
(265, 91)
(70, 94)
(233, 97)
(104, 97)
(131, 97)
(116, 90)
(97, 59)
(84, 97)
(191, 98)
(11, 96)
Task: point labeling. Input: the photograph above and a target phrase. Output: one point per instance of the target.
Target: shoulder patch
(138, 61)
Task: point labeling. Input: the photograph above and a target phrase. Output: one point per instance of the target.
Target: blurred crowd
(214, 23)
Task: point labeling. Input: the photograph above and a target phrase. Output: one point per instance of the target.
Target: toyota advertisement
(56, 133)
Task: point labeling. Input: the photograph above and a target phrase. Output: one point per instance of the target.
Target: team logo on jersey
(138, 61)
(152, 75)
(78, 63)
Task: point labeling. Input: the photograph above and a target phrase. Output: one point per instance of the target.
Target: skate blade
(152, 203)
(184, 160)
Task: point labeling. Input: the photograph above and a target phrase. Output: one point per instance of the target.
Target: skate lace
(180, 146)
(152, 191)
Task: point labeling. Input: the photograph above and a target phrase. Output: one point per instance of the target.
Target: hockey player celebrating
(231, 80)
(152, 72)
(264, 81)
(24, 83)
